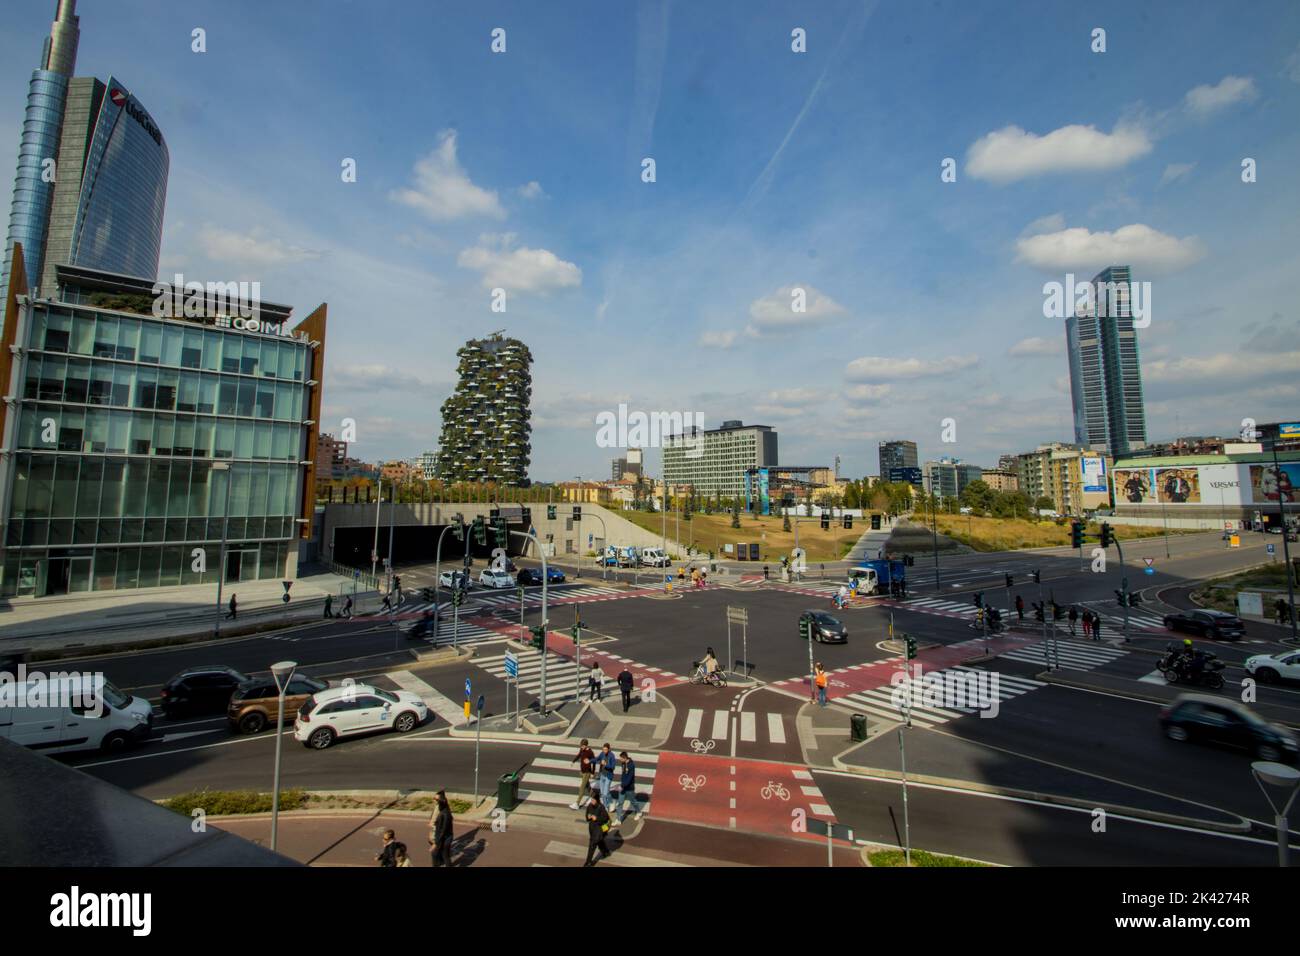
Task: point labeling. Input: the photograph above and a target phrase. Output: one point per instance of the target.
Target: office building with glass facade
(124, 435)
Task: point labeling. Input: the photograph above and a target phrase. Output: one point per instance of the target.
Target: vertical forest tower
(485, 422)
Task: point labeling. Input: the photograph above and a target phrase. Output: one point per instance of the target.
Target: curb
(1157, 816)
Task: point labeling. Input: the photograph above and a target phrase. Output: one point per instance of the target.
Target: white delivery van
(654, 557)
(72, 712)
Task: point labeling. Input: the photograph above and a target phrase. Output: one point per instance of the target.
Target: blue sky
(775, 170)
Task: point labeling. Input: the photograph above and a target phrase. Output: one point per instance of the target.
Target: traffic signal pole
(1123, 582)
(545, 620)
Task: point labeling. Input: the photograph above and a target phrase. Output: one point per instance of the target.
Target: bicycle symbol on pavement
(703, 746)
(691, 784)
(774, 790)
(838, 683)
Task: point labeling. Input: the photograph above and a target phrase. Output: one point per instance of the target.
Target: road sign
(481, 701)
(512, 665)
(737, 615)
(1272, 548)
(1234, 541)
(356, 575)
(1148, 561)
(467, 690)
(590, 539)
(374, 556)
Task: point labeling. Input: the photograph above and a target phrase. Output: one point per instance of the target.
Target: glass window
(101, 384)
(56, 328)
(264, 403)
(40, 487)
(173, 341)
(239, 490)
(192, 349)
(76, 384)
(287, 359)
(71, 429)
(212, 351)
(187, 400)
(262, 440)
(252, 357)
(146, 387)
(183, 442)
(83, 335)
(128, 563)
(150, 342)
(203, 428)
(65, 487)
(96, 434)
(110, 501)
(119, 430)
(166, 396)
(201, 478)
(230, 353)
(257, 491)
(92, 476)
(52, 373)
(128, 338)
(247, 391)
(283, 443)
(149, 562)
(227, 400)
(32, 384)
(106, 337)
(208, 394)
(270, 358)
(123, 377)
(278, 492)
(224, 442)
(105, 568)
(156, 500)
(244, 440)
(132, 530)
(163, 428)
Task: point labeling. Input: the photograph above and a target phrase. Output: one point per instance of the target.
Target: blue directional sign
(467, 690)
(512, 665)
(1272, 548)
(1150, 571)
(590, 539)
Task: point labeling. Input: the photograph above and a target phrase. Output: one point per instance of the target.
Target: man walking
(1074, 616)
(605, 763)
(1020, 608)
(583, 758)
(1096, 626)
(234, 606)
(440, 833)
(387, 854)
(347, 609)
(597, 827)
(388, 602)
(765, 573)
(595, 681)
(626, 789)
(625, 687)
(1279, 606)
(329, 604)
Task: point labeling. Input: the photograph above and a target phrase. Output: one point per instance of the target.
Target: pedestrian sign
(512, 665)
(356, 575)
(1272, 548)
(467, 690)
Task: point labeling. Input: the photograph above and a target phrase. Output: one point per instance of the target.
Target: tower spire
(61, 47)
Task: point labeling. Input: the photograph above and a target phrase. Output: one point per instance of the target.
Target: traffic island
(527, 725)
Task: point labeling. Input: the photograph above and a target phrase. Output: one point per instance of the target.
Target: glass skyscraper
(111, 461)
(1105, 375)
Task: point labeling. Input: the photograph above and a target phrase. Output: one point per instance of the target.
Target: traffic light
(577, 512)
(910, 643)
(538, 640)
(494, 513)
(1010, 581)
(480, 530)
(1119, 598)
(550, 512)
(805, 628)
(526, 514)
(458, 528)
(1036, 576)
(457, 596)
(1038, 610)
(826, 521)
(848, 521)
(978, 599)
(500, 536)
(1134, 599)
(397, 582)
(1106, 536)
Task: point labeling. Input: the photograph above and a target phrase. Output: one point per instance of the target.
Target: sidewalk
(103, 618)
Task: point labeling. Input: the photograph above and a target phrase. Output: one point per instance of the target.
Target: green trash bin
(858, 724)
(508, 791)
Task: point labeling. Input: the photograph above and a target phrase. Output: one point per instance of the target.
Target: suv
(200, 690)
(1217, 720)
(1215, 624)
(254, 702)
(356, 709)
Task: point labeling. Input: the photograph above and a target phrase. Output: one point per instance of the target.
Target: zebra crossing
(509, 598)
(450, 633)
(1112, 624)
(706, 729)
(1072, 655)
(882, 703)
(552, 777)
(562, 678)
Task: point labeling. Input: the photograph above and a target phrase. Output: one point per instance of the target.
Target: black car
(824, 628)
(200, 690)
(1225, 723)
(534, 576)
(1219, 625)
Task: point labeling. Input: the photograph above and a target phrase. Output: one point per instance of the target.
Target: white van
(654, 557)
(105, 719)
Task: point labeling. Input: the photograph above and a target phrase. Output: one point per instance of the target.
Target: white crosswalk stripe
(463, 633)
(718, 726)
(552, 777)
(437, 701)
(880, 701)
(1073, 656)
(561, 676)
(510, 598)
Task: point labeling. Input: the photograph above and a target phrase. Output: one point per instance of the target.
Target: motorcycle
(1177, 668)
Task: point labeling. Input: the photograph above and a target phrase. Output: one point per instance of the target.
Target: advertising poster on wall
(1177, 486)
(1094, 474)
(1134, 485)
(1267, 482)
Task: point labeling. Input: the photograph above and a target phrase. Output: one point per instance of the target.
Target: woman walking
(440, 832)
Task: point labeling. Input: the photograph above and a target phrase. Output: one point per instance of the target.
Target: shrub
(228, 802)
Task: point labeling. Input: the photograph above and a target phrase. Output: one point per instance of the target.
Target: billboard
(1094, 474)
(1177, 486)
(1268, 482)
(1134, 485)
(910, 475)
(1290, 430)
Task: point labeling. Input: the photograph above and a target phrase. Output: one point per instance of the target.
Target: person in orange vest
(821, 679)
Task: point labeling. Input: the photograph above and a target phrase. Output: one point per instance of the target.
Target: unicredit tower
(91, 183)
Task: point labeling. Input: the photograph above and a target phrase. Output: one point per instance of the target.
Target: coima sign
(122, 98)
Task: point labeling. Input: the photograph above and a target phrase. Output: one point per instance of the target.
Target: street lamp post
(545, 619)
(283, 673)
(374, 549)
(1286, 550)
(225, 525)
(1288, 778)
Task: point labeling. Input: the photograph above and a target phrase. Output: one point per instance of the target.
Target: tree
(735, 514)
(785, 524)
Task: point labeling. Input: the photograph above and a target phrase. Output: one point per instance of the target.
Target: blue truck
(877, 576)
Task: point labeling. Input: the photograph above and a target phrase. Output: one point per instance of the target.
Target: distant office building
(714, 461)
(129, 442)
(426, 466)
(948, 477)
(1074, 478)
(485, 422)
(1000, 480)
(897, 454)
(1105, 375)
(91, 183)
(330, 457)
(1008, 463)
(627, 468)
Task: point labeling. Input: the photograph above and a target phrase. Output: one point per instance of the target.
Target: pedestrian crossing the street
(1072, 655)
(553, 778)
(707, 729)
(962, 685)
(1111, 626)
(562, 679)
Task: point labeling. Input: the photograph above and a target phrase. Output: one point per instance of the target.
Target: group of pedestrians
(329, 607)
(1091, 624)
(596, 684)
(393, 852)
(596, 795)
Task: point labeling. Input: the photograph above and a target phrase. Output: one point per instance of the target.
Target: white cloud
(868, 393)
(718, 340)
(442, 189)
(532, 190)
(1175, 171)
(1011, 153)
(871, 368)
(1204, 100)
(796, 396)
(1053, 223)
(250, 249)
(1145, 249)
(518, 270)
(1036, 346)
(776, 313)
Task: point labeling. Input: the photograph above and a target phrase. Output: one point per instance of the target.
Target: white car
(451, 579)
(490, 578)
(1269, 668)
(356, 709)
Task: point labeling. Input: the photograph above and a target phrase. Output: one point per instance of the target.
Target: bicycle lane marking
(704, 719)
(750, 795)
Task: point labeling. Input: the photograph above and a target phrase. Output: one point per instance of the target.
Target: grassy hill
(712, 532)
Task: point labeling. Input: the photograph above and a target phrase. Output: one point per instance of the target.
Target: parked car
(824, 628)
(254, 703)
(356, 709)
(78, 716)
(451, 579)
(534, 576)
(1268, 668)
(200, 690)
(490, 578)
(654, 558)
(1226, 723)
(1219, 625)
